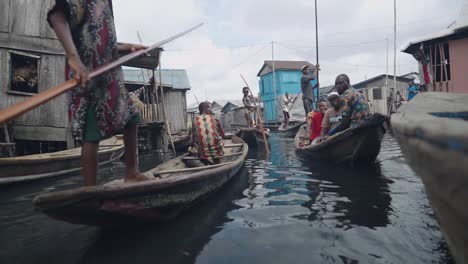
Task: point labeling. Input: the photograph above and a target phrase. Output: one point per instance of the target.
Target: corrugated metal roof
(177, 78)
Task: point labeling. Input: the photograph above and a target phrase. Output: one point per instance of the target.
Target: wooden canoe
(290, 131)
(46, 165)
(181, 141)
(173, 188)
(357, 145)
(252, 136)
(432, 130)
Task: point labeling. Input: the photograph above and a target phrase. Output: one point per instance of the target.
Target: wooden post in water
(168, 128)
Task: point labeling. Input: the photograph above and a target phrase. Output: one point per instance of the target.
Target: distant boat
(252, 136)
(47, 165)
(291, 130)
(432, 130)
(176, 186)
(356, 145)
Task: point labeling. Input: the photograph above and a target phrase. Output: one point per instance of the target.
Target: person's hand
(79, 70)
(131, 47)
(317, 67)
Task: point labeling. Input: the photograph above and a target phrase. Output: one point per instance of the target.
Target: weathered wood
(40, 133)
(233, 145)
(118, 202)
(432, 133)
(157, 173)
(4, 11)
(7, 140)
(33, 167)
(30, 44)
(361, 144)
(51, 93)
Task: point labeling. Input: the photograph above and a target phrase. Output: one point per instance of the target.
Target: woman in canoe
(101, 106)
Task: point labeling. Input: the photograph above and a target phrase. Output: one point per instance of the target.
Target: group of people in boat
(345, 108)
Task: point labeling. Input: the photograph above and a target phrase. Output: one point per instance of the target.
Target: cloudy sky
(237, 35)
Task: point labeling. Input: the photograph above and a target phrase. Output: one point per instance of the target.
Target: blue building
(287, 76)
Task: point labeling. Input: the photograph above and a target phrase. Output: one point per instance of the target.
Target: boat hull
(291, 131)
(359, 145)
(436, 148)
(252, 136)
(117, 203)
(35, 167)
(181, 142)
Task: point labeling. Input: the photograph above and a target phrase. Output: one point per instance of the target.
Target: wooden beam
(33, 44)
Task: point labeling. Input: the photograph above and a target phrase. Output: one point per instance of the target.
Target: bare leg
(133, 174)
(89, 162)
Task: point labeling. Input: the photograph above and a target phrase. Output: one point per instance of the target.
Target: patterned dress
(93, 32)
(208, 137)
(354, 105)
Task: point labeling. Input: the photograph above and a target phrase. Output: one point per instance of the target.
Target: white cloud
(352, 36)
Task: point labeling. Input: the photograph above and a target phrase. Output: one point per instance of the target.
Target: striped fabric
(209, 135)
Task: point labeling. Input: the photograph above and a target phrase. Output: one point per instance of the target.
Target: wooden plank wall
(51, 71)
(4, 11)
(175, 104)
(23, 27)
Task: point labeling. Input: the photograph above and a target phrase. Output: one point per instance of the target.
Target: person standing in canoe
(287, 101)
(102, 106)
(249, 107)
(354, 107)
(207, 136)
(307, 87)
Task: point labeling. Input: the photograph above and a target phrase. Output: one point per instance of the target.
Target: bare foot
(136, 176)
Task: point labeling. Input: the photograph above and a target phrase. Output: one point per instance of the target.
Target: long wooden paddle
(260, 121)
(43, 97)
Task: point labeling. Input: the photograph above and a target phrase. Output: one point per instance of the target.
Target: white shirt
(286, 103)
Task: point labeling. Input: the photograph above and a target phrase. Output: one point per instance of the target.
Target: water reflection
(352, 197)
(279, 209)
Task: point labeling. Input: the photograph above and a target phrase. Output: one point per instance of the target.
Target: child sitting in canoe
(207, 136)
(332, 116)
(102, 106)
(314, 122)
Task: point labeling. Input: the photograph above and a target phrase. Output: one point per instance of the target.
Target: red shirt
(316, 125)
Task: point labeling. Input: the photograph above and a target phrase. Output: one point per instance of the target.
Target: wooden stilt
(8, 143)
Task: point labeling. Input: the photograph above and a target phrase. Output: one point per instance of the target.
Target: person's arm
(62, 29)
(314, 75)
(344, 124)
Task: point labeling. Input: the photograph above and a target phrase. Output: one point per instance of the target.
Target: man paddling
(354, 107)
(307, 87)
(207, 136)
(248, 101)
(102, 106)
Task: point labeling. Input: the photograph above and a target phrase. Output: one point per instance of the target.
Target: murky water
(280, 210)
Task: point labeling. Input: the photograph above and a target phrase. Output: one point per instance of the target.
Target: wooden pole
(317, 52)
(260, 121)
(41, 98)
(168, 128)
(7, 140)
(274, 80)
(295, 99)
